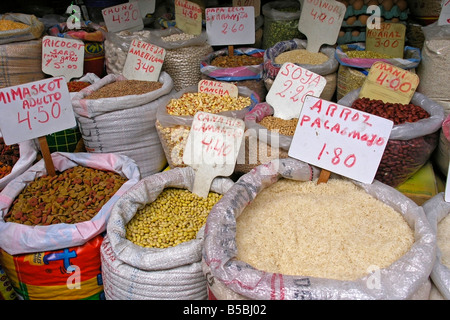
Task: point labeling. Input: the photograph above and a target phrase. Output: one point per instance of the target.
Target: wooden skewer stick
(230, 51)
(47, 156)
(324, 175)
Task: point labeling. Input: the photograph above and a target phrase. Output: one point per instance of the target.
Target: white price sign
(126, 16)
(35, 109)
(62, 57)
(444, 16)
(144, 61)
(340, 139)
(218, 87)
(230, 25)
(290, 88)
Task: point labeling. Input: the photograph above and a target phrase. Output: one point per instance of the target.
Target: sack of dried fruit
(278, 234)
(154, 239)
(413, 138)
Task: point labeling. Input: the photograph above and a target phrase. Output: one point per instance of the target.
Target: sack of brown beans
(323, 63)
(116, 115)
(244, 68)
(413, 138)
(174, 119)
(278, 234)
(184, 52)
(154, 239)
(437, 211)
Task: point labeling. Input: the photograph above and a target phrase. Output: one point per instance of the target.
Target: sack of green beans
(174, 119)
(278, 234)
(323, 63)
(154, 239)
(437, 211)
(413, 138)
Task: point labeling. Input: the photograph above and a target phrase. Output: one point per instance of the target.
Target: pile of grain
(331, 230)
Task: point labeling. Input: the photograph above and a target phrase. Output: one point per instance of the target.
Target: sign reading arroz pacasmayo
(320, 21)
(340, 139)
(212, 148)
(126, 16)
(35, 109)
(230, 25)
(62, 57)
(218, 87)
(144, 61)
(188, 17)
(290, 88)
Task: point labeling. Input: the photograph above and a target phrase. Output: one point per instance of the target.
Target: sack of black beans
(410, 143)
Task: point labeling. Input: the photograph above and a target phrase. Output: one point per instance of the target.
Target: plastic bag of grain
(410, 144)
(327, 68)
(33, 30)
(229, 277)
(134, 272)
(123, 124)
(437, 211)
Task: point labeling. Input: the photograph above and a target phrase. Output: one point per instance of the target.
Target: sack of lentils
(437, 211)
(413, 138)
(244, 68)
(323, 63)
(154, 239)
(184, 52)
(174, 120)
(278, 234)
(117, 115)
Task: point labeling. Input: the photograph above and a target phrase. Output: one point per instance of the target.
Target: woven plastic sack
(406, 278)
(16, 238)
(34, 31)
(124, 125)
(436, 210)
(133, 272)
(411, 143)
(442, 154)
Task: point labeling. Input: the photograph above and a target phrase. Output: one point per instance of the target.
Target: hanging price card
(389, 83)
(124, 16)
(212, 148)
(144, 61)
(444, 16)
(388, 39)
(188, 17)
(62, 57)
(35, 109)
(290, 88)
(218, 87)
(340, 139)
(320, 21)
(230, 25)
(249, 3)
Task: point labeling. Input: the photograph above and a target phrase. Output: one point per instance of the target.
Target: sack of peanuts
(279, 234)
(323, 62)
(413, 138)
(154, 239)
(18, 27)
(116, 115)
(437, 211)
(184, 52)
(174, 120)
(42, 212)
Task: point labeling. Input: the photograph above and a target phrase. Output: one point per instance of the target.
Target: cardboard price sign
(212, 148)
(35, 109)
(230, 25)
(389, 83)
(320, 21)
(144, 61)
(62, 57)
(340, 139)
(290, 88)
(218, 87)
(389, 39)
(188, 17)
(126, 16)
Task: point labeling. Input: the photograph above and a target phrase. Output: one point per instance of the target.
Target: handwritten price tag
(62, 57)
(444, 16)
(230, 25)
(144, 61)
(389, 83)
(212, 148)
(389, 39)
(340, 139)
(218, 87)
(124, 16)
(320, 22)
(188, 17)
(290, 88)
(35, 109)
